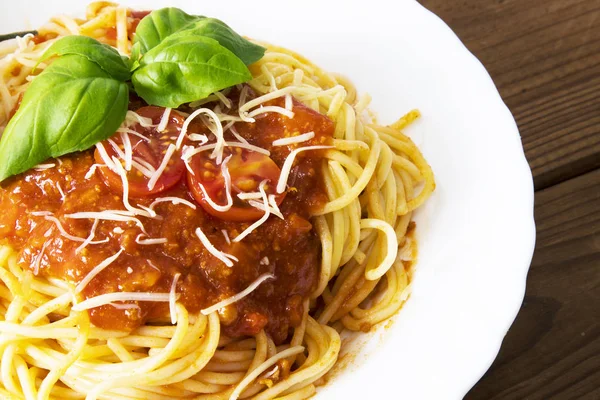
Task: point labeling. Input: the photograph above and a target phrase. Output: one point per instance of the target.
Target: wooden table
(544, 56)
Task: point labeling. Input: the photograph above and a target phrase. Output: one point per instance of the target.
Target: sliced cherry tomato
(148, 152)
(247, 170)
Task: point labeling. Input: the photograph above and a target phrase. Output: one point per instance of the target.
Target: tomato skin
(151, 151)
(247, 170)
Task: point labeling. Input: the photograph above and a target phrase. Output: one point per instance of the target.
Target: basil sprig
(81, 98)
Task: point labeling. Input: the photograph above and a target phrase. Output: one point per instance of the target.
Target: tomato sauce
(289, 249)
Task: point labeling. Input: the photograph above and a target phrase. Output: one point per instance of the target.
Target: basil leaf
(168, 23)
(156, 26)
(103, 55)
(70, 106)
(186, 69)
(213, 28)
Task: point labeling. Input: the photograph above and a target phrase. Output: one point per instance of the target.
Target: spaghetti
(374, 178)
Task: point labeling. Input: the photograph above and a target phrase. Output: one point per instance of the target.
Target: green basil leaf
(168, 23)
(156, 26)
(213, 28)
(103, 55)
(72, 105)
(186, 69)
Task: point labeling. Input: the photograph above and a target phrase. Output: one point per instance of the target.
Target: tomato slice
(148, 152)
(247, 170)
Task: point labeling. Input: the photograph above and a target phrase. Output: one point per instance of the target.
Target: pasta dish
(188, 213)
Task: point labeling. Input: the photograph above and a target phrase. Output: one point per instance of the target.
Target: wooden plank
(552, 351)
(544, 56)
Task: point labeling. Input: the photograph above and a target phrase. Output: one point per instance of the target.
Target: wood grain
(553, 348)
(544, 56)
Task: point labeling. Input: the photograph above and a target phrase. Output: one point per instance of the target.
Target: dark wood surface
(544, 56)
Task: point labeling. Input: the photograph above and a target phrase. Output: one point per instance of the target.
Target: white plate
(476, 234)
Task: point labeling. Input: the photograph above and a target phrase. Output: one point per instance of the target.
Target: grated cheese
(92, 170)
(226, 236)
(89, 238)
(174, 200)
(43, 167)
(107, 215)
(38, 258)
(289, 105)
(239, 296)
(96, 270)
(107, 298)
(189, 151)
(264, 261)
(236, 134)
(224, 257)
(227, 179)
(164, 120)
(223, 99)
(132, 118)
(60, 190)
(173, 298)
(128, 151)
(149, 241)
(275, 109)
(262, 220)
(125, 199)
(289, 161)
(163, 165)
(126, 306)
(261, 206)
(249, 196)
(294, 139)
(197, 137)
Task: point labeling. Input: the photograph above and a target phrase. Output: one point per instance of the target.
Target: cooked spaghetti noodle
(374, 177)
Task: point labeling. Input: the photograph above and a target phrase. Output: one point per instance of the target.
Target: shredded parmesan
(125, 183)
(62, 230)
(289, 162)
(288, 102)
(108, 215)
(164, 120)
(173, 298)
(262, 220)
(42, 167)
(266, 109)
(264, 261)
(38, 258)
(149, 241)
(107, 298)
(224, 257)
(60, 190)
(96, 270)
(261, 207)
(89, 238)
(132, 118)
(163, 165)
(236, 134)
(239, 296)
(128, 151)
(227, 179)
(294, 139)
(92, 170)
(189, 151)
(126, 306)
(220, 144)
(226, 102)
(226, 236)
(249, 196)
(174, 200)
(197, 137)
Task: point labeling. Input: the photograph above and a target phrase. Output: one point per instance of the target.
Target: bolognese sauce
(37, 212)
